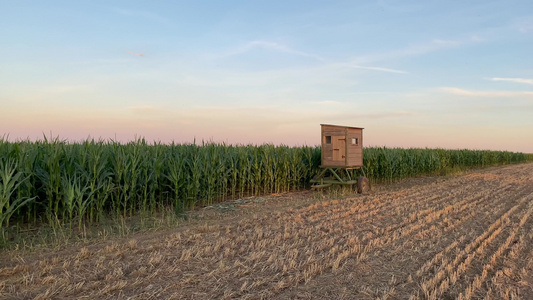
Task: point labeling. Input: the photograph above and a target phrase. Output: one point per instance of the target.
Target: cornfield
(79, 183)
(468, 236)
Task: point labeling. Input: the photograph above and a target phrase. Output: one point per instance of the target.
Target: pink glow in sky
(247, 72)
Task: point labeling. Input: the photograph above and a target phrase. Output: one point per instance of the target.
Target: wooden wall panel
(347, 154)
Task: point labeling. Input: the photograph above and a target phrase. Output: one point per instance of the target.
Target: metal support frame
(339, 177)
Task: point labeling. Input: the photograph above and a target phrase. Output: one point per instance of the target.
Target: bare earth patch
(462, 237)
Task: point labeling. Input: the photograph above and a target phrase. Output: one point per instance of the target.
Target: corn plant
(10, 181)
(86, 181)
(77, 198)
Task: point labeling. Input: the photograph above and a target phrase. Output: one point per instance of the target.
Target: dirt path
(469, 236)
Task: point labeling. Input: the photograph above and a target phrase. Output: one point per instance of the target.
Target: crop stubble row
(464, 237)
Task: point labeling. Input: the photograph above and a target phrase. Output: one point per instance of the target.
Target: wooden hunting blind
(342, 151)
(342, 146)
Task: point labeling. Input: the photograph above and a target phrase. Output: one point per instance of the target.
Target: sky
(446, 74)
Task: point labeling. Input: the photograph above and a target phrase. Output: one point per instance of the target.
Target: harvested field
(461, 237)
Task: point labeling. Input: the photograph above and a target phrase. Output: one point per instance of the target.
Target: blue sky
(450, 74)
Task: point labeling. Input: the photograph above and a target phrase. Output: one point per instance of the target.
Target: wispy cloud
(438, 44)
(328, 102)
(274, 47)
(72, 88)
(323, 62)
(282, 115)
(519, 80)
(377, 69)
(524, 26)
(136, 53)
(417, 49)
(400, 113)
(485, 94)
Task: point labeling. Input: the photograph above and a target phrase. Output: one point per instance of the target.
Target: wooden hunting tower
(342, 146)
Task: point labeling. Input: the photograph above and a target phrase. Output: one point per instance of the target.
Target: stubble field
(462, 237)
